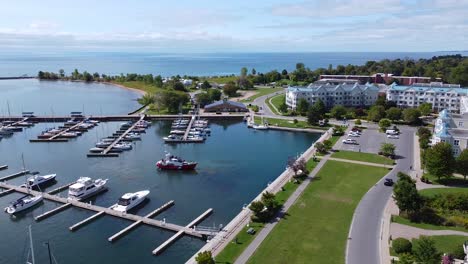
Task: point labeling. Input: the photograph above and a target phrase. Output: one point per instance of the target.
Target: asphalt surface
(364, 237)
(369, 141)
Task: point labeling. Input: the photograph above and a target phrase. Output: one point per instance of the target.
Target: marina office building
(442, 96)
(350, 94)
(453, 129)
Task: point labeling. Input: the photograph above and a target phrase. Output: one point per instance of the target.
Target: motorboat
(172, 138)
(25, 124)
(138, 130)
(177, 132)
(37, 180)
(207, 130)
(122, 146)
(133, 136)
(103, 144)
(96, 150)
(23, 203)
(85, 187)
(90, 121)
(260, 127)
(108, 140)
(130, 200)
(195, 139)
(171, 162)
(69, 135)
(126, 125)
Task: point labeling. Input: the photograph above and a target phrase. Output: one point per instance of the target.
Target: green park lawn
(233, 250)
(287, 123)
(434, 191)
(262, 92)
(452, 181)
(222, 79)
(316, 227)
(444, 244)
(149, 88)
(362, 156)
(275, 102)
(404, 221)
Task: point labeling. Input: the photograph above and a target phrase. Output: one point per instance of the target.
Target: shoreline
(141, 92)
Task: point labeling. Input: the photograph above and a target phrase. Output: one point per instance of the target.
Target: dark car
(388, 182)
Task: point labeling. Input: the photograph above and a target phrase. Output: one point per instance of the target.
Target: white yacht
(122, 146)
(260, 127)
(23, 203)
(130, 200)
(96, 150)
(36, 180)
(85, 187)
(103, 144)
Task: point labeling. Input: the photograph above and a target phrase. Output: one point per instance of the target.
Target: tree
(244, 72)
(296, 165)
(320, 147)
(406, 195)
(381, 100)
(376, 113)
(230, 89)
(204, 257)
(411, 115)
(178, 86)
(425, 109)
(283, 108)
(254, 71)
(439, 160)
(312, 115)
(256, 207)
(320, 108)
(205, 85)
(393, 113)
(384, 123)
(406, 258)
(328, 144)
(462, 163)
(284, 72)
(172, 100)
(215, 94)
(426, 252)
(61, 73)
(302, 106)
(158, 82)
(401, 245)
(338, 111)
(146, 99)
(387, 149)
(203, 99)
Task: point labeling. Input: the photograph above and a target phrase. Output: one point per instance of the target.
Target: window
(460, 123)
(456, 142)
(455, 152)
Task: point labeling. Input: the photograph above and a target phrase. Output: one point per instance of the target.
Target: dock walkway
(188, 128)
(122, 136)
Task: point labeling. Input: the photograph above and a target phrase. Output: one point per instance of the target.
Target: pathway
(409, 232)
(249, 251)
(362, 162)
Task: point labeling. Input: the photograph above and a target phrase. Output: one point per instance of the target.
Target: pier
(139, 222)
(188, 128)
(3, 167)
(59, 136)
(100, 211)
(61, 188)
(14, 175)
(105, 152)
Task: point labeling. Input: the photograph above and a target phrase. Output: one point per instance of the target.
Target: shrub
(320, 147)
(358, 122)
(295, 121)
(402, 245)
(457, 252)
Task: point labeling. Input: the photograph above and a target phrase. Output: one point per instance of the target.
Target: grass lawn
(453, 181)
(149, 88)
(233, 250)
(435, 191)
(361, 156)
(444, 244)
(315, 230)
(276, 101)
(334, 139)
(262, 92)
(400, 220)
(222, 79)
(287, 123)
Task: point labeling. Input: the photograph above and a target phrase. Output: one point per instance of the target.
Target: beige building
(453, 129)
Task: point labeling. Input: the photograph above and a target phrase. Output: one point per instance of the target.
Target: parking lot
(369, 141)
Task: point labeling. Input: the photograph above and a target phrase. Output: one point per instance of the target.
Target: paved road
(260, 101)
(365, 233)
(250, 250)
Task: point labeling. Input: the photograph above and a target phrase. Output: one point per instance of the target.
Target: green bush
(402, 245)
(358, 122)
(457, 252)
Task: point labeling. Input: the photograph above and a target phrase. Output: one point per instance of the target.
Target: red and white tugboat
(171, 162)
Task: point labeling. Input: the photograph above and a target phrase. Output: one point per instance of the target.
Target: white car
(350, 141)
(393, 136)
(352, 134)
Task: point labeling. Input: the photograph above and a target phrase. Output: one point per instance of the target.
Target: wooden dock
(180, 230)
(14, 175)
(179, 234)
(3, 167)
(5, 192)
(188, 128)
(86, 221)
(139, 222)
(61, 188)
(58, 137)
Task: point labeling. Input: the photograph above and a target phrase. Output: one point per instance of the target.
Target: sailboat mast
(32, 246)
(48, 249)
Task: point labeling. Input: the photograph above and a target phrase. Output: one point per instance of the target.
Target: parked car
(393, 136)
(391, 132)
(350, 141)
(353, 134)
(251, 231)
(388, 182)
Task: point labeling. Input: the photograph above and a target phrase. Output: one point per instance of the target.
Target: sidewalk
(363, 163)
(410, 232)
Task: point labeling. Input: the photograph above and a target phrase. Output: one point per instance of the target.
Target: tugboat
(175, 163)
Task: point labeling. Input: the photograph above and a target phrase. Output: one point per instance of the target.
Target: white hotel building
(442, 96)
(453, 129)
(346, 94)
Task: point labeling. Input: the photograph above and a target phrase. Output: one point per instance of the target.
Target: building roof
(331, 87)
(443, 132)
(236, 104)
(417, 88)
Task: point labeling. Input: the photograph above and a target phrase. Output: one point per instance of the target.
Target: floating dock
(3, 167)
(14, 175)
(59, 136)
(136, 219)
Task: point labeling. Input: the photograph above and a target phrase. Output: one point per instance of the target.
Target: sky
(234, 26)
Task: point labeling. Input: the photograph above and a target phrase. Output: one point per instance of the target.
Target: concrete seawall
(230, 231)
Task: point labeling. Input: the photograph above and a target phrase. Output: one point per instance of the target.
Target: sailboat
(24, 202)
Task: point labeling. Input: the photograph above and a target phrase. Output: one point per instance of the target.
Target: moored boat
(171, 162)
(130, 200)
(23, 203)
(85, 187)
(37, 180)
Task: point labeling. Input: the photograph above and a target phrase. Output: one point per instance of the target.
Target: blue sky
(234, 26)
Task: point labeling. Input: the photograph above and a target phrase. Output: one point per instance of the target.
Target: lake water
(206, 64)
(235, 164)
(61, 97)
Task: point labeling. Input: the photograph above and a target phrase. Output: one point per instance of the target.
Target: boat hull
(189, 166)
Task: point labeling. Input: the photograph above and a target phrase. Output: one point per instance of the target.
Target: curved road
(365, 233)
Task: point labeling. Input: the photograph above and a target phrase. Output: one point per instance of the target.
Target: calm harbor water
(235, 164)
(205, 64)
(60, 98)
